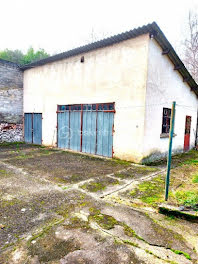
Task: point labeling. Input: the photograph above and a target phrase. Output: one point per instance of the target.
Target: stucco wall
(113, 74)
(164, 85)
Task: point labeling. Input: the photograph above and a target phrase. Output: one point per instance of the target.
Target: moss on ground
(93, 186)
(104, 221)
(75, 222)
(179, 252)
(150, 192)
(182, 190)
(99, 184)
(135, 171)
(108, 222)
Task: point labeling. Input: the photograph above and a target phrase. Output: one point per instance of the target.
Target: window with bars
(166, 120)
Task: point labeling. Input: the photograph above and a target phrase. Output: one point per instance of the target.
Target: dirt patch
(67, 167)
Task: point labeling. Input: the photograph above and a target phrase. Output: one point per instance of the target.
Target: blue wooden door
(87, 128)
(63, 130)
(89, 132)
(75, 130)
(28, 128)
(105, 134)
(37, 128)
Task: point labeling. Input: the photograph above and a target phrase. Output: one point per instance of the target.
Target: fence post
(172, 122)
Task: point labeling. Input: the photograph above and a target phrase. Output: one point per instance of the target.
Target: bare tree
(191, 45)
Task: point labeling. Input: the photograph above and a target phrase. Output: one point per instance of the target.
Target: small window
(100, 107)
(77, 107)
(89, 107)
(67, 107)
(62, 107)
(94, 107)
(166, 120)
(105, 106)
(111, 106)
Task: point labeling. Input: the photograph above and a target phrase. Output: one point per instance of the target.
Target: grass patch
(108, 222)
(191, 162)
(149, 192)
(179, 252)
(122, 162)
(195, 178)
(188, 198)
(99, 184)
(5, 144)
(24, 156)
(130, 232)
(93, 186)
(105, 221)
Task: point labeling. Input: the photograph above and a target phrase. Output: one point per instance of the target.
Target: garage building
(112, 98)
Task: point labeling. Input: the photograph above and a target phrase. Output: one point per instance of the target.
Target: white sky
(59, 25)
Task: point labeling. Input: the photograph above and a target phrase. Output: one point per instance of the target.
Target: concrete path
(57, 207)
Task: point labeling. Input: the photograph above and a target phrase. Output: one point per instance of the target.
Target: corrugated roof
(153, 29)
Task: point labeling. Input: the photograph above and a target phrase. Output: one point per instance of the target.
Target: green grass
(105, 221)
(93, 186)
(188, 198)
(191, 162)
(150, 192)
(195, 178)
(11, 144)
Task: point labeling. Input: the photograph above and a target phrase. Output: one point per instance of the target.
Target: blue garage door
(33, 128)
(89, 132)
(28, 128)
(37, 129)
(63, 130)
(86, 128)
(105, 134)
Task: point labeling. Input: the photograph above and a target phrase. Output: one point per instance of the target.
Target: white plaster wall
(116, 73)
(164, 85)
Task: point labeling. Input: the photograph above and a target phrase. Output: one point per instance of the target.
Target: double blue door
(88, 131)
(33, 128)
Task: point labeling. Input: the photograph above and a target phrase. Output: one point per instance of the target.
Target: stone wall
(11, 93)
(11, 132)
(11, 102)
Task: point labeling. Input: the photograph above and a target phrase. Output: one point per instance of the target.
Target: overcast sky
(59, 25)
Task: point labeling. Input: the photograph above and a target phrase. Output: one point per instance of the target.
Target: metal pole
(172, 122)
